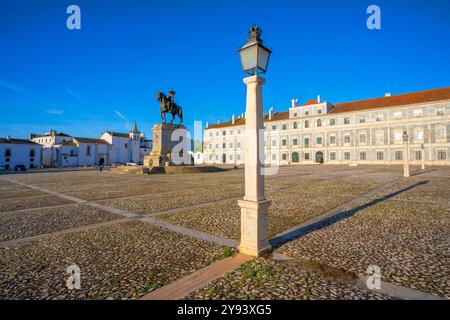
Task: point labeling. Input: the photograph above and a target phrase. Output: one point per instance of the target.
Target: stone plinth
(166, 138)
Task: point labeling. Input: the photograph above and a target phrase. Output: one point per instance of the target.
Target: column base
(254, 240)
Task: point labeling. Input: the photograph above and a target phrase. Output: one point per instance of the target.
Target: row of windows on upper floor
(418, 113)
(441, 154)
(440, 133)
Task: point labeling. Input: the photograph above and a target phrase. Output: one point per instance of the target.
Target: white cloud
(13, 87)
(75, 95)
(55, 111)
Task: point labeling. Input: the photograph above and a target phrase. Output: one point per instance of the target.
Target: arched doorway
(319, 157)
(295, 157)
(224, 158)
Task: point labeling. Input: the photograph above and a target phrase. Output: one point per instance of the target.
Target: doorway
(319, 157)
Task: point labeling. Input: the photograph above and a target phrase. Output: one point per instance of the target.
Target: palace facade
(359, 132)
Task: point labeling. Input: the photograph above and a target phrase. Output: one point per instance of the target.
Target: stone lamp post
(406, 155)
(254, 207)
(422, 158)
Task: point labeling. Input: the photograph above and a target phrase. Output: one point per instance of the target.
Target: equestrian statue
(168, 105)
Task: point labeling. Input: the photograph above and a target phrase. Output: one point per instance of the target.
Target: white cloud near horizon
(75, 95)
(13, 87)
(57, 112)
(127, 123)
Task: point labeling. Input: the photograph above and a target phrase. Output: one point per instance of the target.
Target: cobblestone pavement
(14, 225)
(409, 242)
(265, 279)
(122, 261)
(406, 234)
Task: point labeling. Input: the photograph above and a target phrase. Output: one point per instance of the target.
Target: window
(380, 155)
(379, 117)
(363, 138)
(8, 153)
(217, 146)
(379, 138)
(333, 156)
(295, 157)
(398, 155)
(231, 132)
(362, 119)
(306, 156)
(274, 143)
(442, 154)
(294, 114)
(224, 132)
(306, 113)
(294, 125)
(319, 123)
(294, 142)
(418, 134)
(210, 134)
(71, 153)
(440, 133)
(332, 122)
(362, 155)
(239, 131)
(397, 115)
(284, 142)
(238, 157)
(319, 111)
(398, 136)
(346, 155)
(231, 145)
(347, 120)
(284, 156)
(88, 150)
(440, 111)
(284, 126)
(333, 139)
(417, 113)
(319, 140)
(347, 138)
(217, 134)
(306, 124)
(224, 145)
(418, 154)
(274, 156)
(230, 157)
(274, 127)
(239, 145)
(126, 146)
(210, 146)
(306, 142)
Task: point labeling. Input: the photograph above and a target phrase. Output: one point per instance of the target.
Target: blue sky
(105, 75)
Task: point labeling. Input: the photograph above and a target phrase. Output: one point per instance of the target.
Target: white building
(51, 143)
(19, 152)
(366, 132)
(127, 147)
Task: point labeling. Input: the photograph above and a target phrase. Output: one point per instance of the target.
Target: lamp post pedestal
(254, 206)
(422, 167)
(406, 164)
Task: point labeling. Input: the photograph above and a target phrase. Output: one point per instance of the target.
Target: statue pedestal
(167, 138)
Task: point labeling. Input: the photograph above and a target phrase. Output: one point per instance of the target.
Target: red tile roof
(393, 101)
(310, 102)
(375, 103)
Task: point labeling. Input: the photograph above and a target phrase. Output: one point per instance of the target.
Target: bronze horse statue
(168, 105)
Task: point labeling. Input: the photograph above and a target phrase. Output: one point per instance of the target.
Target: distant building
(19, 152)
(127, 147)
(365, 132)
(63, 150)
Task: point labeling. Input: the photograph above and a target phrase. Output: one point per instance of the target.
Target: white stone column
(422, 160)
(406, 157)
(254, 206)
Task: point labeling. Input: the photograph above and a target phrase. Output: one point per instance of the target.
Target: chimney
(294, 103)
(32, 136)
(207, 124)
(271, 113)
(318, 98)
(387, 94)
(233, 119)
(8, 137)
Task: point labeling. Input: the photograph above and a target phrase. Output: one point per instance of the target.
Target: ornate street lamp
(254, 55)
(254, 206)
(406, 155)
(422, 147)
